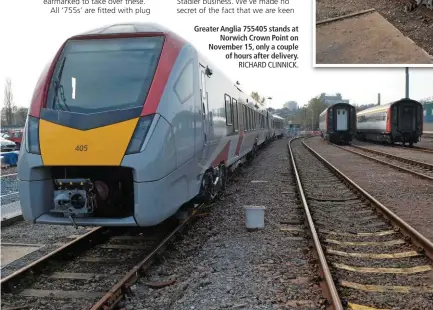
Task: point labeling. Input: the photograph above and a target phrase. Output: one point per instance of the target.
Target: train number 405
(81, 148)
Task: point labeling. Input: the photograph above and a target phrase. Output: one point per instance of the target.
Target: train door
(342, 119)
(407, 117)
(205, 113)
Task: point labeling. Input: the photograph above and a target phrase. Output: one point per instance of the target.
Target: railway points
(406, 195)
(415, 167)
(365, 252)
(423, 146)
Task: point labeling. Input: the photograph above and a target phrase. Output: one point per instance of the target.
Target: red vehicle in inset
(14, 135)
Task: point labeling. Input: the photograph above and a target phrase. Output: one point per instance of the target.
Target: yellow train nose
(102, 146)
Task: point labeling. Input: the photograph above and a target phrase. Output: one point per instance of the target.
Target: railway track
(370, 257)
(398, 146)
(94, 271)
(9, 195)
(418, 168)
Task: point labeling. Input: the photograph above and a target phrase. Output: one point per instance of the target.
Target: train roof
(127, 28)
(384, 107)
(338, 103)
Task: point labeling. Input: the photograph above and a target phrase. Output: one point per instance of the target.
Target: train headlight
(32, 135)
(140, 134)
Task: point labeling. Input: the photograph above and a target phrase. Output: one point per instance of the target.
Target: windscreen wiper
(59, 87)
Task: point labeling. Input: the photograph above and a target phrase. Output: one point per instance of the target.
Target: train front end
(405, 121)
(341, 123)
(93, 112)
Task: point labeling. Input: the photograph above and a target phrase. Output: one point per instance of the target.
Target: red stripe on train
(241, 138)
(222, 156)
(170, 51)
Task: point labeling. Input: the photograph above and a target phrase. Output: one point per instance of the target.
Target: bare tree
(9, 105)
(20, 116)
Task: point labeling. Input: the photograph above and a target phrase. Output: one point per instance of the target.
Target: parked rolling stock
(127, 124)
(277, 127)
(400, 121)
(428, 119)
(337, 123)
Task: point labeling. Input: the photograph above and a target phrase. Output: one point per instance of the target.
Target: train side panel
(400, 121)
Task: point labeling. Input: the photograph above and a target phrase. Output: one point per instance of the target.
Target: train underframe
(343, 137)
(408, 138)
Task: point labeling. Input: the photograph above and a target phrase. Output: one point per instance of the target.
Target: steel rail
(419, 174)
(335, 300)
(8, 282)
(399, 146)
(115, 294)
(399, 224)
(403, 159)
(420, 148)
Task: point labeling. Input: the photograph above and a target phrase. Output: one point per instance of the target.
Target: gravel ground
(408, 153)
(10, 210)
(47, 235)
(9, 184)
(9, 188)
(219, 264)
(340, 211)
(412, 24)
(396, 190)
(425, 142)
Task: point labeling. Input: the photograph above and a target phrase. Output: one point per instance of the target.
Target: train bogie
(337, 123)
(127, 126)
(400, 121)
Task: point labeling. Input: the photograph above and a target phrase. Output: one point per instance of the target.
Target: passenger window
(203, 85)
(235, 113)
(245, 118)
(184, 86)
(228, 103)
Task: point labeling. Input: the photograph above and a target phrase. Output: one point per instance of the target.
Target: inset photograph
(373, 32)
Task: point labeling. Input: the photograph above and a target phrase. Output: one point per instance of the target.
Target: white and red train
(127, 124)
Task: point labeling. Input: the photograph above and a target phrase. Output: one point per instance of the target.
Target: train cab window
(94, 76)
(228, 104)
(184, 86)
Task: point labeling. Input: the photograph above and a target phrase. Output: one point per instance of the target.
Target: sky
(33, 43)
